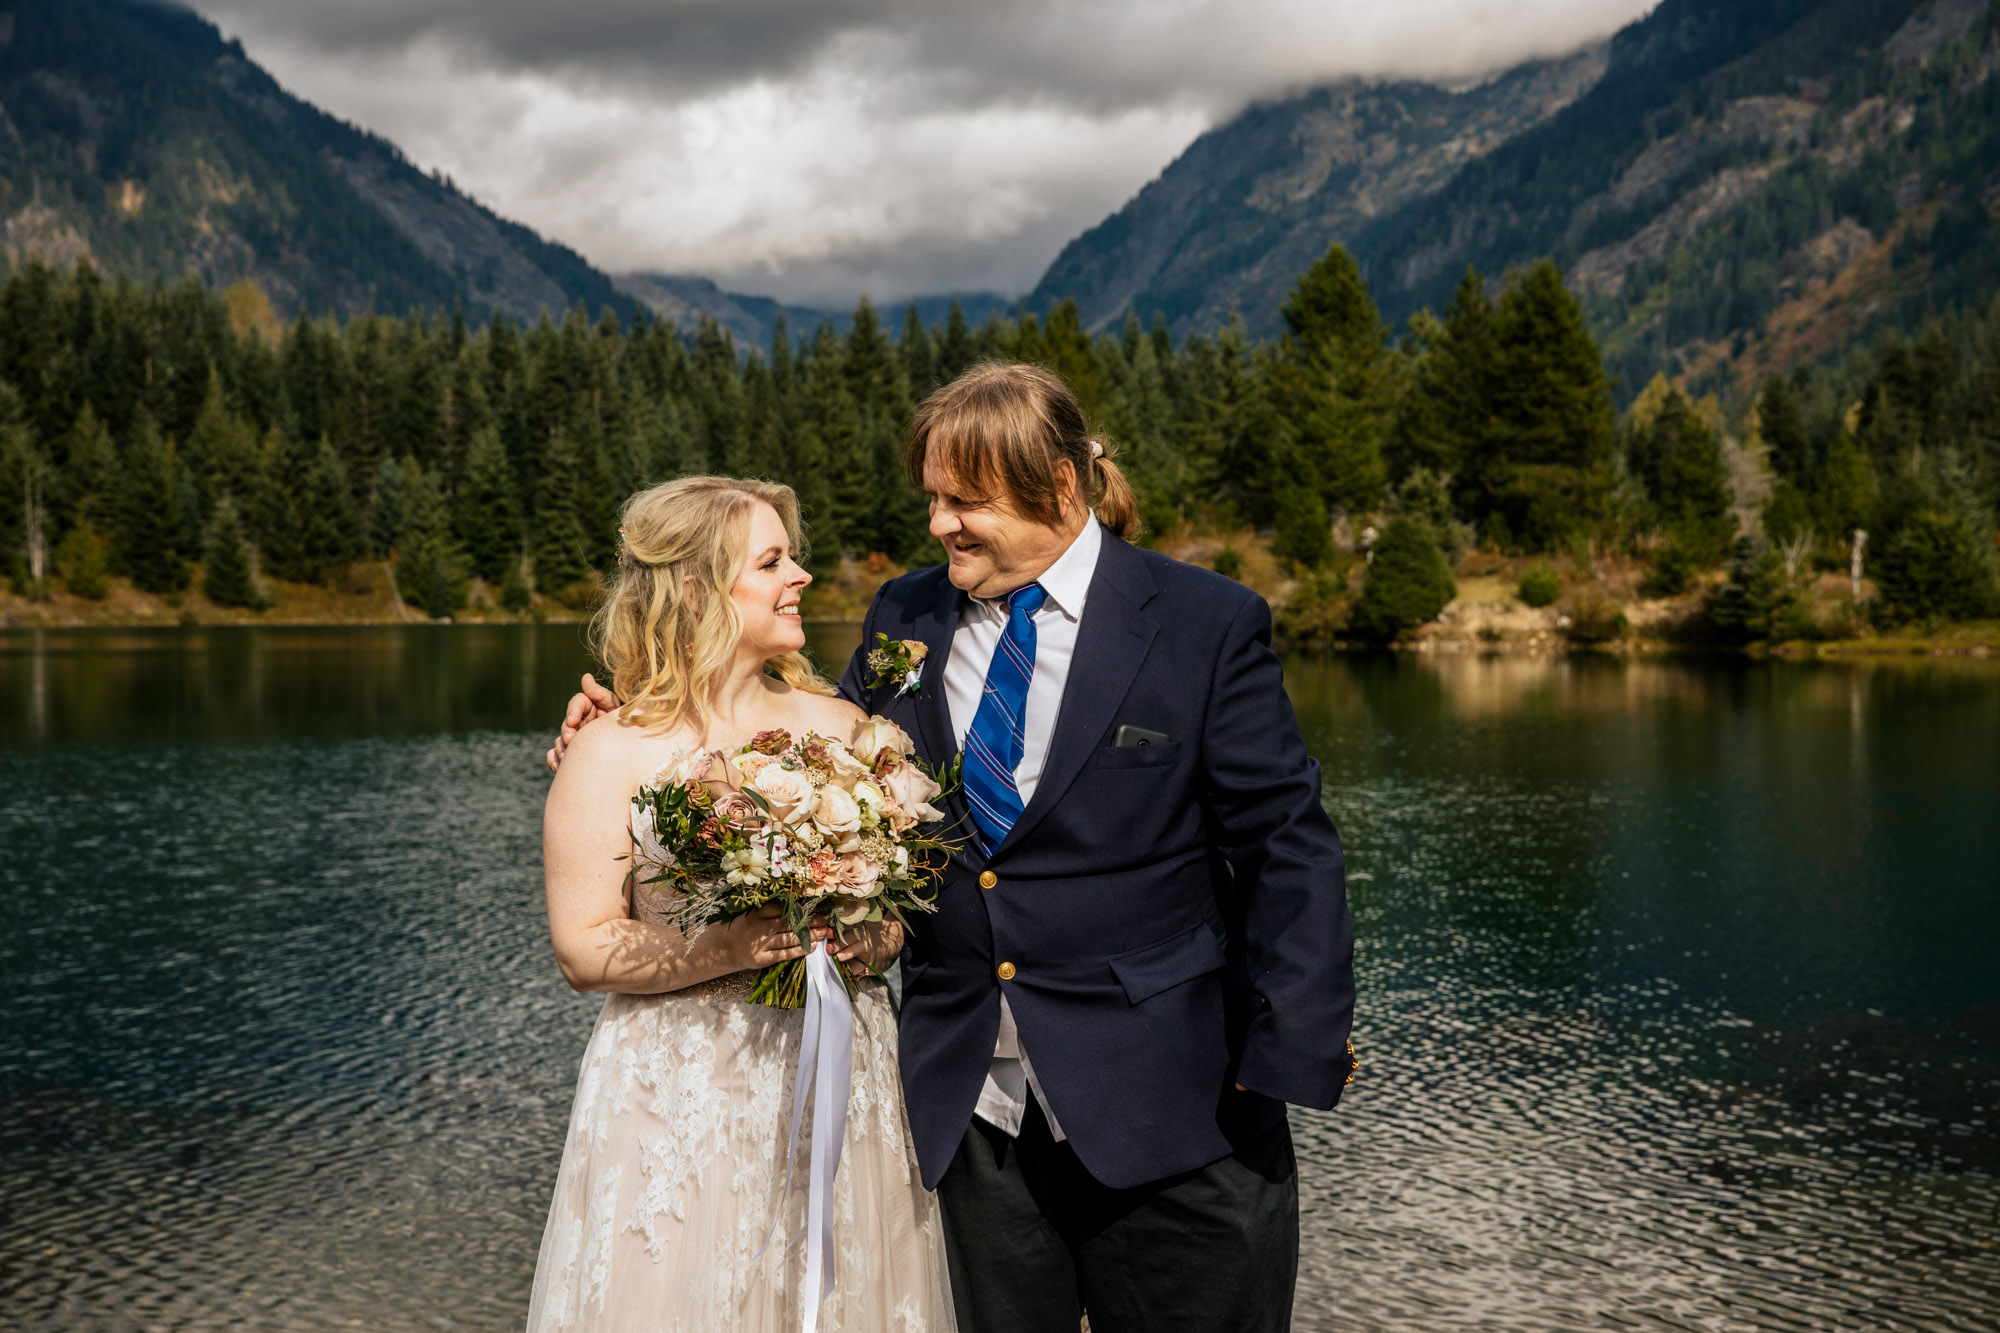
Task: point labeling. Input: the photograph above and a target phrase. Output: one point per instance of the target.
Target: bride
(673, 1172)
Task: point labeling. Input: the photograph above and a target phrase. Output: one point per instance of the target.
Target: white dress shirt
(1004, 1099)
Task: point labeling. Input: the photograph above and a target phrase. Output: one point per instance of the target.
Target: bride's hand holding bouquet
(807, 838)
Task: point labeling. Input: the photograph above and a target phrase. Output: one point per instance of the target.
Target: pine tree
(1679, 460)
(955, 351)
(1542, 463)
(1844, 492)
(1330, 380)
(430, 569)
(560, 550)
(1783, 428)
(330, 535)
(487, 524)
(385, 508)
(514, 593)
(85, 562)
(1442, 419)
(1303, 536)
(148, 515)
(1407, 584)
(89, 473)
(834, 426)
(226, 577)
(919, 357)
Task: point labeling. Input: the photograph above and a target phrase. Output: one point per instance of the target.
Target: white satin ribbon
(826, 1075)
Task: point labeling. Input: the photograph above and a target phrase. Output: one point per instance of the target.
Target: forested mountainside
(1251, 204)
(1748, 187)
(682, 300)
(132, 133)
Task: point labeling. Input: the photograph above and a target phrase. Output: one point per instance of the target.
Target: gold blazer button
(1006, 971)
(987, 879)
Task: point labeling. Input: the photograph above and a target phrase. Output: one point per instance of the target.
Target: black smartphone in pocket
(1130, 735)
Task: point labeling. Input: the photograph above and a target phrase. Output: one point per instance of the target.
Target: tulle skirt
(674, 1165)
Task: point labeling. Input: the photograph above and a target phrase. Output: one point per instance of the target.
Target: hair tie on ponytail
(1096, 450)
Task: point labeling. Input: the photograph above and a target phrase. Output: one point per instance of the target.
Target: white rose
(749, 765)
(788, 791)
(837, 811)
(876, 735)
(869, 797)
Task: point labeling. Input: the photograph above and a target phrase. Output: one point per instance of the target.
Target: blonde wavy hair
(668, 628)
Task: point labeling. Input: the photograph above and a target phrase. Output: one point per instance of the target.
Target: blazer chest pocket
(1158, 755)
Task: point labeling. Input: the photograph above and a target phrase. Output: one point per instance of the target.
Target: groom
(1143, 951)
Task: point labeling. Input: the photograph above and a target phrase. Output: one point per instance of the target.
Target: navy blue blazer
(1175, 915)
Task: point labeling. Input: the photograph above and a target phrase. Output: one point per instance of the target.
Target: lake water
(1680, 996)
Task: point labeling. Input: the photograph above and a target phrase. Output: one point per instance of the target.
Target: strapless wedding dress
(675, 1161)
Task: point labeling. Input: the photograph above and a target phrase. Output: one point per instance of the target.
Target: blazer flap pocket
(1138, 756)
(1146, 972)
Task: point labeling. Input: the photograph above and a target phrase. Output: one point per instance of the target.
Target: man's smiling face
(991, 547)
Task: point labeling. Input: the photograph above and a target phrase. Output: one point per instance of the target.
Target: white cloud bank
(817, 149)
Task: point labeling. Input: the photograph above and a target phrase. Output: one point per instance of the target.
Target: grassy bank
(366, 595)
(1600, 605)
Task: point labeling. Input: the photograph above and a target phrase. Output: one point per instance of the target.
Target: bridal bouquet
(818, 828)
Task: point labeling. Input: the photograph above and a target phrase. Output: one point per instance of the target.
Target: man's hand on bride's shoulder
(589, 704)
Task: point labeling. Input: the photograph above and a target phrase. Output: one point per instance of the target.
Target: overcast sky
(817, 149)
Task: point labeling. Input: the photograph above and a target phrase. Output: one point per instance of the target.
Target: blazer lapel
(935, 627)
(1111, 645)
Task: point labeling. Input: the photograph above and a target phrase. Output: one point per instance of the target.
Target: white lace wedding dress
(675, 1160)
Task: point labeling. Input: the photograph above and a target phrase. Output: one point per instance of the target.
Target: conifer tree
(1845, 491)
(1407, 584)
(487, 524)
(385, 508)
(1783, 428)
(1543, 462)
(330, 534)
(1679, 460)
(226, 577)
(835, 429)
(955, 350)
(148, 515)
(560, 550)
(1442, 419)
(430, 569)
(919, 357)
(85, 562)
(1303, 535)
(1331, 380)
(89, 473)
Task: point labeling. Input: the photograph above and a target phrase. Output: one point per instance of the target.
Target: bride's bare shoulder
(619, 749)
(830, 715)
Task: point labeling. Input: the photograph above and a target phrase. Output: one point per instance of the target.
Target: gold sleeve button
(987, 879)
(1006, 971)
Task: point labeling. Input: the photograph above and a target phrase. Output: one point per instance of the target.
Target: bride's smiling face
(767, 588)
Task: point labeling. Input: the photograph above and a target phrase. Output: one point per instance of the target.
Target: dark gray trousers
(1034, 1240)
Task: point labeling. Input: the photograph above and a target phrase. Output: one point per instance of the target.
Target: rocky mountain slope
(1231, 222)
(683, 299)
(131, 133)
(1733, 186)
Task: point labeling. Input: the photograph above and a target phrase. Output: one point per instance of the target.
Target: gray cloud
(812, 149)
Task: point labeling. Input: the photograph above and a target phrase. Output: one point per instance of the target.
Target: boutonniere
(897, 662)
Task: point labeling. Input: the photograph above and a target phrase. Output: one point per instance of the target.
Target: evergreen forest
(153, 433)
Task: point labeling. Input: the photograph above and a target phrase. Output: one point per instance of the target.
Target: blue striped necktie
(994, 744)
